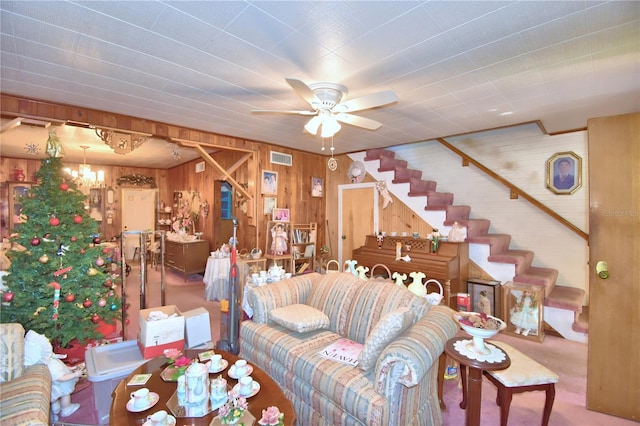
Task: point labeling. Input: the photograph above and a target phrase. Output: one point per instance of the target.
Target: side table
(472, 385)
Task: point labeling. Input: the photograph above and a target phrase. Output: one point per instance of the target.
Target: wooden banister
(515, 191)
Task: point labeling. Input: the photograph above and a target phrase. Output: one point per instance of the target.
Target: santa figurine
(38, 350)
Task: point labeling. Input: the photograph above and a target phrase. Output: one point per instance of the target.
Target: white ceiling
(456, 67)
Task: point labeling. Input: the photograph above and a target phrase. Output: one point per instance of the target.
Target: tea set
(195, 388)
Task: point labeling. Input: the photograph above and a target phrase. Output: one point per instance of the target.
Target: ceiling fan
(329, 110)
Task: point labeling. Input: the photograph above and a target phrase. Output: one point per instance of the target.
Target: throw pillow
(385, 331)
(300, 318)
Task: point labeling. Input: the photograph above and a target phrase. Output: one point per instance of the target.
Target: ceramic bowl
(484, 333)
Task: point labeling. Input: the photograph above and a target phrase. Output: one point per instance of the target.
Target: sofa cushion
(300, 318)
(11, 351)
(386, 330)
(333, 294)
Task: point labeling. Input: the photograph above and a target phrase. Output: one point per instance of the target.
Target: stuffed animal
(5, 263)
(38, 350)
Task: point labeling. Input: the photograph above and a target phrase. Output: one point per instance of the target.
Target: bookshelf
(303, 247)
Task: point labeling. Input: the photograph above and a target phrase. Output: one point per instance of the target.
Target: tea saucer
(224, 365)
(153, 400)
(171, 421)
(234, 375)
(255, 385)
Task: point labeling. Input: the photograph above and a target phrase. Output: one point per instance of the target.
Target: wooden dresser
(187, 257)
(450, 265)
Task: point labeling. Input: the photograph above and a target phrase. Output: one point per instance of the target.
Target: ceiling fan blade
(282, 111)
(304, 91)
(358, 121)
(367, 101)
(313, 125)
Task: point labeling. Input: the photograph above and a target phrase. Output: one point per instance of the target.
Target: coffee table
(270, 394)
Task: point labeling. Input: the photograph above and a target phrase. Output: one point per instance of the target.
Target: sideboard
(188, 257)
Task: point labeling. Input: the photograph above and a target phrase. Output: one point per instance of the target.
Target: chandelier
(122, 142)
(84, 176)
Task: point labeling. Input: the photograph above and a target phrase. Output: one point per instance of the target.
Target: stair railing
(515, 191)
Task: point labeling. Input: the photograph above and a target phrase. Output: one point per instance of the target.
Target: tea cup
(416, 235)
(404, 234)
(246, 385)
(216, 362)
(393, 233)
(218, 388)
(140, 398)
(159, 418)
(240, 367)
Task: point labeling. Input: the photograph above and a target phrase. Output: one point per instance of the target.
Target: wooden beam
(192, 144)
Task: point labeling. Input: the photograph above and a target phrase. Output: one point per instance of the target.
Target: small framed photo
(485, 296)
(564, 173)
(523, 310)
(269, 204)
(269, 182)
(281, 215)
(317, 187)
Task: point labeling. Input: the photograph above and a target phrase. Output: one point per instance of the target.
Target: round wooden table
(270, 394)
(472, 385)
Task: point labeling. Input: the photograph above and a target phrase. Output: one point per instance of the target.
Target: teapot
(197, 382)
(276, 272)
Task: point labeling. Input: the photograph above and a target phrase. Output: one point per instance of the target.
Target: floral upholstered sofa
(25, 392)
(395, 381)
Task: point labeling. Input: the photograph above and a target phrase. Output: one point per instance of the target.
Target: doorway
(358, 216)
(138, 214)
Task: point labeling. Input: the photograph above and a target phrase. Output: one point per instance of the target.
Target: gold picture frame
(564, 173)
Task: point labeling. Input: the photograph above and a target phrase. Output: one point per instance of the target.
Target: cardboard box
(197, 329)
(156, 336)
(463, 302)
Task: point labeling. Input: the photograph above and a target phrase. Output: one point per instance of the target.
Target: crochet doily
(465, 347)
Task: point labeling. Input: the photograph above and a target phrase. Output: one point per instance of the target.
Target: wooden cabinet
(163, 220)
(16, 190)
(187, 257)
(303, 247)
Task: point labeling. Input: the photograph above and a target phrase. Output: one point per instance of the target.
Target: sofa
(396, 379)
(25, 392)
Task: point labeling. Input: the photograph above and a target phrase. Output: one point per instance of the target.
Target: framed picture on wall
(564, 173)
(281, 215)
(485, 296)
(523, 310)
(269, 182)
(317, 187)
(269, 204)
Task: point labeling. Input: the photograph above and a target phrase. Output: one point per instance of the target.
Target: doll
(279, 244)
(38, 350)
(525, 314)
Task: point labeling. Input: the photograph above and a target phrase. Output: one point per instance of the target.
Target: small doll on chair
(38, 350)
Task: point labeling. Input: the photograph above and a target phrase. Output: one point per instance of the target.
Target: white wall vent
(282, 159)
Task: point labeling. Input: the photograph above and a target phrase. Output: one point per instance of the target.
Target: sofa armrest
(407, 359)
(26, 399)
(282, 293)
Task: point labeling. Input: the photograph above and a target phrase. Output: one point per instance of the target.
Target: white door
(138, 214)
(358, 216)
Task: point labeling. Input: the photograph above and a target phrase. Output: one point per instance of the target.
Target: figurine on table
(279, 235)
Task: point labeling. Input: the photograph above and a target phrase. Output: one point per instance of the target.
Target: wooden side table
(472, 386)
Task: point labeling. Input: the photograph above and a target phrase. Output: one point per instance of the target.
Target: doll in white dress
(525, 314)
(38, 350)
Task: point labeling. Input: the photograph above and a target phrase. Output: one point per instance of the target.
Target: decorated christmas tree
(60, 281)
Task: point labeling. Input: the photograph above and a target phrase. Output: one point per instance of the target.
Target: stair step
(544, 277)
(562, 297)
(419, 187)
(390, 164)
(439, 200)
(497, 242)
(404, 175)
(376, 153)
(581, 324)
(458, 212)
(521, 258)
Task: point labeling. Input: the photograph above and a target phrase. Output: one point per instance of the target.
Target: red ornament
(96, 240)
(87, 303)
(54, 221)
(95, 318)
(70, 297)
(82, 251)
(99, 261)
(77, 218)
(73, 239)
(8, 296)
(64, 186)
(35, 241)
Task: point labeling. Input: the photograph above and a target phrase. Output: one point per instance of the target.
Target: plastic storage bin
(106, 366)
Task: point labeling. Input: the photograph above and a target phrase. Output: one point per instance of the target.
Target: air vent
(282, 159)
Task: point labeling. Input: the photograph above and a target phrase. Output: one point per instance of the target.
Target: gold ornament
(92, 271)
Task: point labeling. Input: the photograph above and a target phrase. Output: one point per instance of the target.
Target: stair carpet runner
(562, 297)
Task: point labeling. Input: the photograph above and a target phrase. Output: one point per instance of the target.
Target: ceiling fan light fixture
(313, 125)
(330, 127)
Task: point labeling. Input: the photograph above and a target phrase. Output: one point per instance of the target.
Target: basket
(255, 254)
(332, 262)
(434, 298)
(380, 265)
(243, 254)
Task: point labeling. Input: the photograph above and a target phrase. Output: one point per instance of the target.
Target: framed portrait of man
(564, 173)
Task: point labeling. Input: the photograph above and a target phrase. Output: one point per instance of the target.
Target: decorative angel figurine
(38, 350)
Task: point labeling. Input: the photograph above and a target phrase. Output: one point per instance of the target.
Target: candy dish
(255, 389)
(224, 364)
(171, 421)
(153, 400)
(234, 375)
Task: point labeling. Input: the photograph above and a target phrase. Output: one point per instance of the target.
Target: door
(358, 216)
(613, 376)
(138, 214)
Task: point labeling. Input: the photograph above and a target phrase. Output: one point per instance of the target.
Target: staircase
(563, 310)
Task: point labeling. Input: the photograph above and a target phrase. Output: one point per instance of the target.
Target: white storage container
(107, 365)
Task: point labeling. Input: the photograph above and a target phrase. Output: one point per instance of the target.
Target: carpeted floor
(568, 359)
